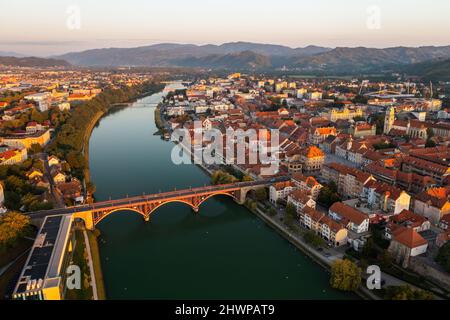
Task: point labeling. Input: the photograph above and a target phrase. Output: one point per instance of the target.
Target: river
(224, 252)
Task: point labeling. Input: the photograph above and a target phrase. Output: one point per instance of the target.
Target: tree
(385, 259)
(272, 212)
(313, 239)
(378, 119)
(369, 250)
(382, 146)
(251, 205)
(333, 186)
(291, 210)
(430, 133)
(91, 188)
(443, 257)
(36, 148)
(220, 177)
(430, 143)
(291, 213)
(261, 194)
(327, 196)
(12, 226)
(360, 99)
(359, 118)
(406, 293)
(345, 275)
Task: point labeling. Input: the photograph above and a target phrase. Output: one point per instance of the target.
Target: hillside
(245, 55)
(429, 70)
(241, 60)
(166, 54)
(32, 62)
(370, 59)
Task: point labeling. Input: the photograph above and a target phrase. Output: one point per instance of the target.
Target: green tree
(91, 188)
(12, 226)
(333, 186)
(220, 177)
(359, 118)
(360, 99)
(251, 205)
(369, 250)
(327, 196)
(345, 275)
(291, 214)
(291, 210)
(443, 256)
(313, 239)
(272, 212)
(385, 259)
(261, 194)
(378, 119)
(430, 133)
(430, 143)
(406, 293)
(36, 148)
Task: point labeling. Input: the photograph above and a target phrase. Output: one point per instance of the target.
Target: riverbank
(96, 261)
(307, 250)
(158, 120)
(88, 132)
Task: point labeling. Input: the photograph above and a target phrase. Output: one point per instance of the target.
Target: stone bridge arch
(94, 217)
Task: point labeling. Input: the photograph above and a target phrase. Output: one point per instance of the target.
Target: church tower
(389, 120)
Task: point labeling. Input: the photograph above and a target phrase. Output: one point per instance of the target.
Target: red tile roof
(349, 213)
(409, 237)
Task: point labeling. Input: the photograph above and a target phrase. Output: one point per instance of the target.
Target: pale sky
(46, 27)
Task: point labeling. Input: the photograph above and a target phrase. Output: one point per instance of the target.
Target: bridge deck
(155, 197)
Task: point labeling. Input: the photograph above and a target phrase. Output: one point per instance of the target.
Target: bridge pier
(147, 218)
(87, 217)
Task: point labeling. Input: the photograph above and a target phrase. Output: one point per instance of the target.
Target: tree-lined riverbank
(73, 137)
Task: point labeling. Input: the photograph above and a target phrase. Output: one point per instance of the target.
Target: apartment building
(332, 231)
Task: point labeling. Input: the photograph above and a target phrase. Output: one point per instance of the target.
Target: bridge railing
(162, 195)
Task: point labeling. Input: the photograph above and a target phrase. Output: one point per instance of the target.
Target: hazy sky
(45, 27)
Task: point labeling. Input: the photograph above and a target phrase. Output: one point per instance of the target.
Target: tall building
(389, 120)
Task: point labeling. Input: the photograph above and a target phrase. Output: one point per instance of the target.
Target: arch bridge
(146, 205)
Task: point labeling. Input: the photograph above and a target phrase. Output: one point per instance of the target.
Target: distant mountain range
(32, 62)
(228, 55)
(428, 61)
(11, 54)
(254, 56)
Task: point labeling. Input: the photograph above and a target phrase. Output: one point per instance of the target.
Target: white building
(280, 191)
(352, 218)
(300, 200)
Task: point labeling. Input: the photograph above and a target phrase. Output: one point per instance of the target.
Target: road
(154, 197)
(56, 195)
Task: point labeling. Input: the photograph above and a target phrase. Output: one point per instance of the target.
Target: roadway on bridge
(154, 197)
